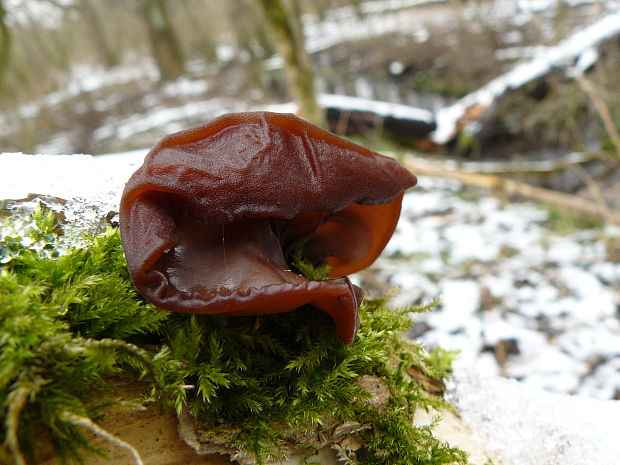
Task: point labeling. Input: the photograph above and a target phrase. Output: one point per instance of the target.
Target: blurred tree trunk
(357, 6)
(164, 41)
(5, 44)
(560, 21)
(203, 42)
(320, 8)
(105, 50)
(284, 21)
(253, 45)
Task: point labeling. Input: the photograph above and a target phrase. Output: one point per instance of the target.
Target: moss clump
(72, 325)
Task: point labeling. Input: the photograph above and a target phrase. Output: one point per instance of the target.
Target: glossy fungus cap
(210, 218)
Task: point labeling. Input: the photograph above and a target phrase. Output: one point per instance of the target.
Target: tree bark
(285, 26)
(164, 40)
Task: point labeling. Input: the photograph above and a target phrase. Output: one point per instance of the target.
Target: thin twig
(593, 187)
(509, 166)
(516, 188)
(601, 108)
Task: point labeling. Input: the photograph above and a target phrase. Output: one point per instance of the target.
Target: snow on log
(351, 115)
(577, 51)
(354, 115)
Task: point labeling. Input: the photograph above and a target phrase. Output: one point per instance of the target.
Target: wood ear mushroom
(208, 220)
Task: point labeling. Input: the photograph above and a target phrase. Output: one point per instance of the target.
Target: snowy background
(517, 300)
(530, 296)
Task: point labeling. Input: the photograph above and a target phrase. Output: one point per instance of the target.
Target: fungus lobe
(210, 218)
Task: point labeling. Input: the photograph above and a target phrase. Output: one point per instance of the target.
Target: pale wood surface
(154, 436)
(157, 440)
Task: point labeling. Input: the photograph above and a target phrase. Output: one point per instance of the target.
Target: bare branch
(517, 188)
(599, 104)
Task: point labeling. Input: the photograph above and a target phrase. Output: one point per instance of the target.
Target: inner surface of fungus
(210, 219)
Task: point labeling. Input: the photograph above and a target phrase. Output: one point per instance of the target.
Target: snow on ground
(402, 16)
(161, 116)
(338, 26)
(521, 425)
(68, 176)
(84, 187)
(517, 300)
(45, 13)
(167, 119)
(83, 79)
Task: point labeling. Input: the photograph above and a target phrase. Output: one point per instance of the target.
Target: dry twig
(601, 108)
(517, 188)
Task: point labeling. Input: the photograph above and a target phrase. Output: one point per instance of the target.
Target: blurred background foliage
(102, 76)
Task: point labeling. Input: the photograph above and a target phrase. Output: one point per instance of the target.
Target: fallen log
(356, 115)
(573, 52)
(568, 160)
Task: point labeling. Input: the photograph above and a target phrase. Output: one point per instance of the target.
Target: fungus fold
(211, 217)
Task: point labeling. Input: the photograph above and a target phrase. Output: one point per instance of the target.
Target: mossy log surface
(75, 333)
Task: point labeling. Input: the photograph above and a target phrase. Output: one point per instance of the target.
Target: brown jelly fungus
(211, 217)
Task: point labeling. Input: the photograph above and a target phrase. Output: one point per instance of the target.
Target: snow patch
(524, 425)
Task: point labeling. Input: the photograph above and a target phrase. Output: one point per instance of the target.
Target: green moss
(303, 266)
(566, 221)
(72, 325)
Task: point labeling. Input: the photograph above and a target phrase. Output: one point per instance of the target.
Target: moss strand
(94, 428)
